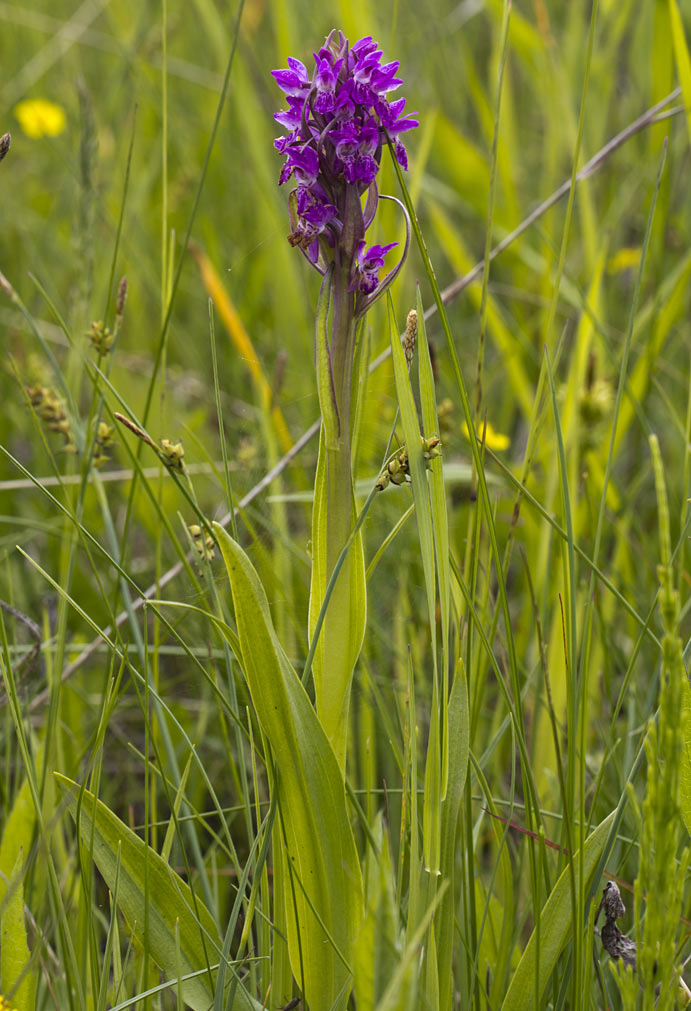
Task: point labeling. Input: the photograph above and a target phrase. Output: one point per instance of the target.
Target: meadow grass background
(567, 285)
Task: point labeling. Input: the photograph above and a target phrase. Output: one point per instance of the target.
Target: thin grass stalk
(503, 53)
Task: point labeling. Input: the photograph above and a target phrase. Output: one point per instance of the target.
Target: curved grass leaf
(169, 899)
(556, 926)
(323, 891)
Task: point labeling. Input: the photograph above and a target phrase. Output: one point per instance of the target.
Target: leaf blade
(555, 925)
(325, 904)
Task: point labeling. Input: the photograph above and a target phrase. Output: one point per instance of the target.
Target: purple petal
(401, 155)
(290, 82)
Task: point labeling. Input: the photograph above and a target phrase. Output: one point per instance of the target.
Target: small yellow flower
(626, 259)
(493, 440)
(4, 1006)
(40, 118)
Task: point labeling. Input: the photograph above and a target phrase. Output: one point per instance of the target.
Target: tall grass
(161, 761)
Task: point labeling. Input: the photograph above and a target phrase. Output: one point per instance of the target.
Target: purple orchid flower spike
(339, 121)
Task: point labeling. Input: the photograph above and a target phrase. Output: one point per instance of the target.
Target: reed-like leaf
(423, 516)
(682, 57)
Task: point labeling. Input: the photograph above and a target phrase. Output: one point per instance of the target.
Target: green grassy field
(518, 731)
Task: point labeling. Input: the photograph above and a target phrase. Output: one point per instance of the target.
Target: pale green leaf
(16, 978)
(18, 830)
(169, 899)
(343, 630)
(16, 844)
(324, 901)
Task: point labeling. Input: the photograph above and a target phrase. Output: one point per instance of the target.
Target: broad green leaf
(14, 949)
(555, 926)
(343, 630)
(323, 889)
(16, 844)
(18, 831)
(169, 899)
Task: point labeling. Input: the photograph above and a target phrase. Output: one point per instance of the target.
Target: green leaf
(685, 777)
(14, 949)
(459, 736)
(169, 900)
(681, 55)
(343, 631)
(430, 424)
(16, 844)
(377, 951)
(440, 524)
(423, 516)
(323, 891)
(18, 831)
(327, 397)
(555, 926)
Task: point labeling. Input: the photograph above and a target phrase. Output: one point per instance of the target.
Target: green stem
(343, 625)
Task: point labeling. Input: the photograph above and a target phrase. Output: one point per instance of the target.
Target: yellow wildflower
(626, 259)
(4, 1006)
(40, 118)
(493, 440)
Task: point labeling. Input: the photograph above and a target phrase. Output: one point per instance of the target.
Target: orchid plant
(339, 121)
